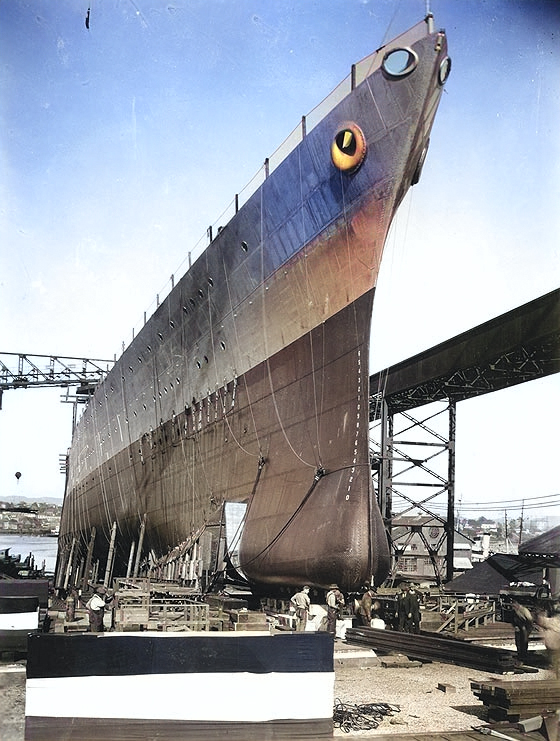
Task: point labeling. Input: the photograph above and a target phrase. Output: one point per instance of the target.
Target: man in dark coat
(523, 625)
(415, 614)
(404, 608)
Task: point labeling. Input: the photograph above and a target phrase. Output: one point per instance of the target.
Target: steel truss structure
(519, 346)
(27, 370)
(411, 454)
(50, 370)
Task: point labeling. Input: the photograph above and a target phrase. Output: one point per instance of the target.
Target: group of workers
(301, 603)
(406, 618)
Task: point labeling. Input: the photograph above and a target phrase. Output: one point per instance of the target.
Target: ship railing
(359, 72)
(294, 138)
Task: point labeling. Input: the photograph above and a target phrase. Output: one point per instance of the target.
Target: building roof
(494, 574)
(546, 545)
(416, 521)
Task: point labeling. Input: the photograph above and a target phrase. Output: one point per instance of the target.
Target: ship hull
(305, 476)
(250, 382)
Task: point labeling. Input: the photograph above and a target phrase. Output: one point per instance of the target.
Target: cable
(366, 717)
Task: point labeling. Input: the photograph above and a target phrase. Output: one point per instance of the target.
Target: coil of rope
(361, 717)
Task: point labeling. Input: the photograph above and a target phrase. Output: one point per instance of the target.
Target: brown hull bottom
(289, 438)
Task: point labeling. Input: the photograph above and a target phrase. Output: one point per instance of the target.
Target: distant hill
(29, 500)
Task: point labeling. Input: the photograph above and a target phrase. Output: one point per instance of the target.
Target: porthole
(399, 63)
(200, 293)
(210, 281)
(159, 334)
(348, 148)
(172, 324)
(198, 364)
(444, 70)
(205, 358)
(222, 344)
(244, 246)
(191, 301)
(419, 165)
(185, 310)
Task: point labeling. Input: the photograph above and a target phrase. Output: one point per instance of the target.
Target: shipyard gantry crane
(50, 370)
(27, 370)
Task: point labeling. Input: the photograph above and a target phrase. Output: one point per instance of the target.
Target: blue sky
(121, 143)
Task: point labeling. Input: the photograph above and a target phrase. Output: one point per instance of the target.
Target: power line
(535, 503)
(507, 507)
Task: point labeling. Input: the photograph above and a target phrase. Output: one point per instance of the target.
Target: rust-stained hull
(250, 382)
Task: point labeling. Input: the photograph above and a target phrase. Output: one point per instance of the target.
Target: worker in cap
(301, 603)
(335, 603)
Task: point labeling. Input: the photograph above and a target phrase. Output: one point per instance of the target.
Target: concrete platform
(347, 655)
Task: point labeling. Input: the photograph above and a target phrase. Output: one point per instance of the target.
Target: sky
(122, 142)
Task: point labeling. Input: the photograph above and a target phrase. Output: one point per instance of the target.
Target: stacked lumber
(248, 620)
(515, 700)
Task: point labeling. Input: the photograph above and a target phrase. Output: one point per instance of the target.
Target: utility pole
(450, 521)
(521, 521)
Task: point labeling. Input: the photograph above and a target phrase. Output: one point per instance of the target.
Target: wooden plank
(467, 735)
(434, 736)
(54, 729)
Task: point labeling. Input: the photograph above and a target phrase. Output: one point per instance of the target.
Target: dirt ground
(12, 701)
(423, 707)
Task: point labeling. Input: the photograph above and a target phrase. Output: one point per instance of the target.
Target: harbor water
(42, 547)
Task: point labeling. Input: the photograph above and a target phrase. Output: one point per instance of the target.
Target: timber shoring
(430, 647)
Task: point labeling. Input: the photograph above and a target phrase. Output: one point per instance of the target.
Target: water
(42, 548)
